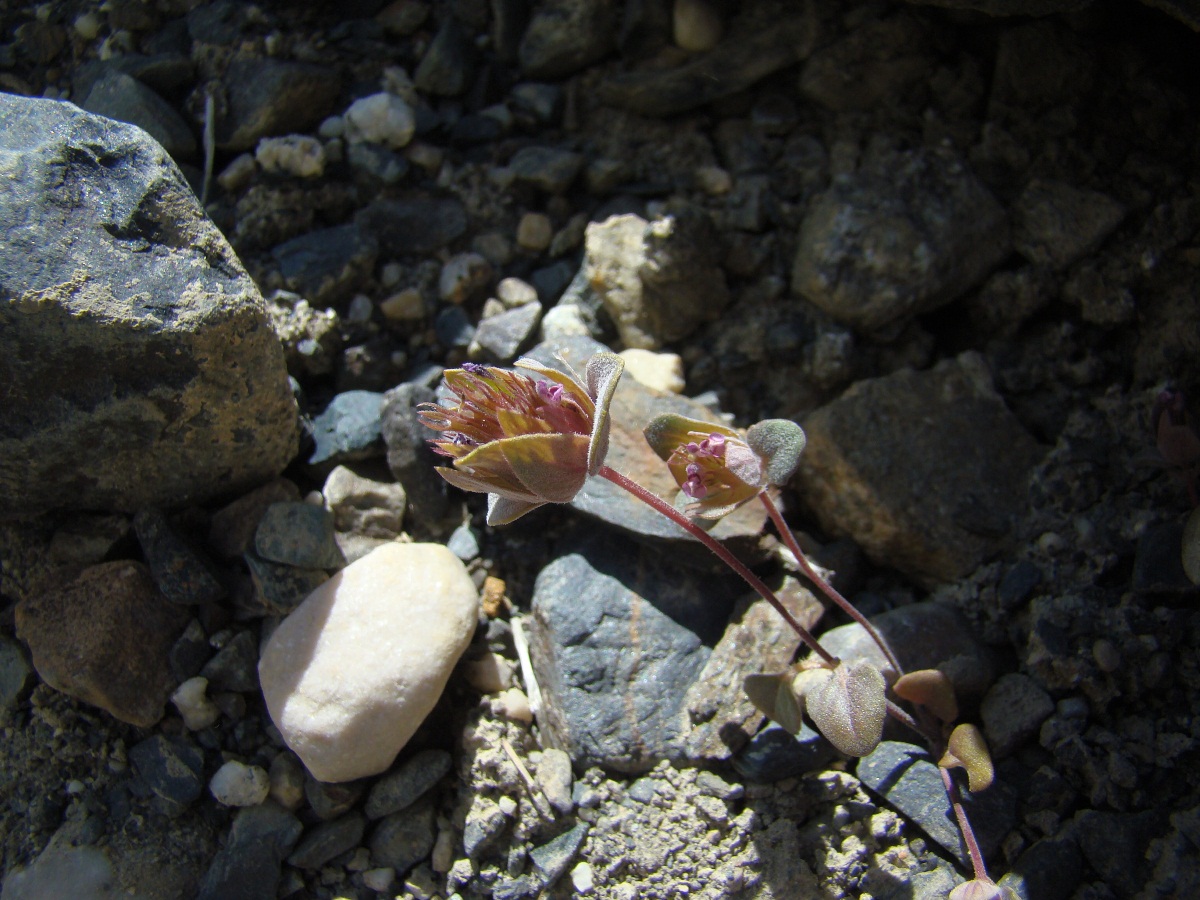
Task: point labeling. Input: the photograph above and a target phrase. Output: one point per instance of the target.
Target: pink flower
(524, 441)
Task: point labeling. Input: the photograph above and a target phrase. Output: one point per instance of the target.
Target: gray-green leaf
(849, 707)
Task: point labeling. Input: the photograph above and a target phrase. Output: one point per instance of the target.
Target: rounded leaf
(930, 688)
(849, 708)
(773, 696)
(779, 443)
(968, 749)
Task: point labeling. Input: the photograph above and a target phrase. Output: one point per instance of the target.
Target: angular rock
(123, 277)
(400, 789)
(365, 506)
(658, 280)
(327, 840)
(233, 667)
(250, 864)
(564, 36)
(266, 97)
(1056, 224)
(906, 466)
(404, 839)
(350, 675)
(411, 460)
(172, 769)
(503, 335)
(298, 534)
(103, 638)
(551, 859)
(416, 225)
(613, 655)
(774, 754)
(327, 265)
(182, 574)
(907, 233)
(448, 64)
(121, 97)
(549, 169)
(1012, 712)
(278, 588)
(348, 429)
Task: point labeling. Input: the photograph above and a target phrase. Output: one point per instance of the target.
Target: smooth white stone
(191, 699)
(350, 675)
(237, 784)
(661, 371)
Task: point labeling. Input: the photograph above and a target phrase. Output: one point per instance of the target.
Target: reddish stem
(723, 554)
(964, 826)
(825, 587)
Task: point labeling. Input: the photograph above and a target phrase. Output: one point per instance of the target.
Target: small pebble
(697, 25)
(714, 180)
(381, 119)
(514, 293)
(287, 780)
(297, 155)
(582, 877)
(191, 699)
(461, 276)
(534, 231)
(514, 705)
(404, 306)
(379, 880)
(490, 674)
(661, 371)
(237, 784)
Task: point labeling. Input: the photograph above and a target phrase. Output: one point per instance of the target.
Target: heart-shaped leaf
(968, 749)
(849, 707)
(779, 442)
(773, 696)
(930, 688)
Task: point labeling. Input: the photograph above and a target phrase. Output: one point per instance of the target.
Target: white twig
(522, 644)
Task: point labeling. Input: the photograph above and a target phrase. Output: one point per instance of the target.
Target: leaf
(779, 442)
(1191, 546)
(930, 688)
(665, 433)
(773, 696)
(603, 372)
(849, 708)
(968, 749)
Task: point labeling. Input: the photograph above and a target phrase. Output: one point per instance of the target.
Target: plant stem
(825, 587)
(964, 826)
(661, 506)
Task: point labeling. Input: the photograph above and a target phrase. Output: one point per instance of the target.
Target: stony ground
(381, 259)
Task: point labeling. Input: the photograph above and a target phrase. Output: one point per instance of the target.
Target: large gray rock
(137, 366)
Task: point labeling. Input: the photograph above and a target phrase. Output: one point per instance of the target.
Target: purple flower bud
(694, 487)
(551, 393)
(474, 368)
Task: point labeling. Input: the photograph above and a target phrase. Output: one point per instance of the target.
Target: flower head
(716, 468)
(524, 441)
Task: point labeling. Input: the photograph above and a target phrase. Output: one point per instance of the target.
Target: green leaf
(968, 749)
(603, 372)
(552, 466)
(850, 707)
(665, 433)
(779, 443)
(773, 696)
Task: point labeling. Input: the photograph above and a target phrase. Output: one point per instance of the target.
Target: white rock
(363, 506)
(462, 275)
(513, 704)
(582, 877)
(293, 154)
(350, 675)
(379, 880)
(564, 321)
(489, 674)
(380, 119)
(514, 292)
(237, 784)
(197, 710)
(661, 371)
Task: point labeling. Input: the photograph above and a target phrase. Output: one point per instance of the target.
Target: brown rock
(104, 638)
(925, 470)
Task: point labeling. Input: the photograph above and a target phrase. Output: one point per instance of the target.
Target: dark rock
(103, 638)
(453, 327)
(773, 754)
(267, 97)
(1012, 712)
(908, 780)
(1158, 561)
(348, 429)
(548, 169)
(328, 801)
(278, 588)
(250, 864)
(41, 41)
(1049, 869)
(190, 652)
(179, 571)
(403, 839)
(542, 102)
(298, 534)
(734, 65)
(1115, 846)
(173, 770)
(564, 36)
(186, 396)
(503, 335)
(235, 667)
(415, 226)
(485, 824)
(14, 675)
(1056, 224)
(907, 233)
(231, 531)
(958, 500)
(327, 840)
(124, 98)
(327, 265)
(165, 73)
(378, 162)
(551, 859)
(398, 790)
(411, 460)
(613, 655)
(448, 65)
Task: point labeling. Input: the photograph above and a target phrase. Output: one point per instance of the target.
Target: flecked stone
(1013, 712)
(348, 429)
(955, 505)
(364, 506)
(553, 858)
(404, 839)
(249, 864)
(298, 534)
(350, 675)
(278, 588)
(549, 169)
(237, 784)
(400, 789)
(564, 36)
(310, 337)
(103, 638)
(908, 780)
(502, 336)
(178, 569)
(172, 769)
(554, 777)
(909, 233)
(297, 155)
(485, 823)
(267, 97)
(328, 840)
(186, 396)
(231, 531)
(118, 96)
(329, 264)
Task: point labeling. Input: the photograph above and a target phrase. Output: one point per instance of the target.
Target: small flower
(719, 470)
(524, 441)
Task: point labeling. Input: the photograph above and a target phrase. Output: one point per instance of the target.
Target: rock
(190, 652)
(697, 25)
(773, 754)
(328, 840)
(1049, 868)
(453, 328)
(554, 777)
(81, 873)
(548, 169)
(277, 588)
(172, 769)
(757, 640)
(249, 865)
(659, 371)
(534, 232)
(1056, 224)
(327, 265)
(237, 784)
(1115, 844)
(565, 36)
(311, 338)
(551, 859)
(414, 226)
(297, 155)
(404, 839)
(502, 336)
(381, 119)
(463, 543)
(377, 162)
(287, 779)
(485, 823)
(183, 575)
(958, 500)
(610, 653)
(364, 506)
(447, 67)
(399, 790)
(328, 801)
(350, 675)
(298, 534)
(232, 669)
(103, 638)
(191, 699)
(266, 97)
(116, 95)
(658, 280)
(905, 777)
(348, 429)
(411, 460)
(733, 66)
(1012, 712)
(463, 275)
(14, 675)
(132, 283)
(907, 233)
